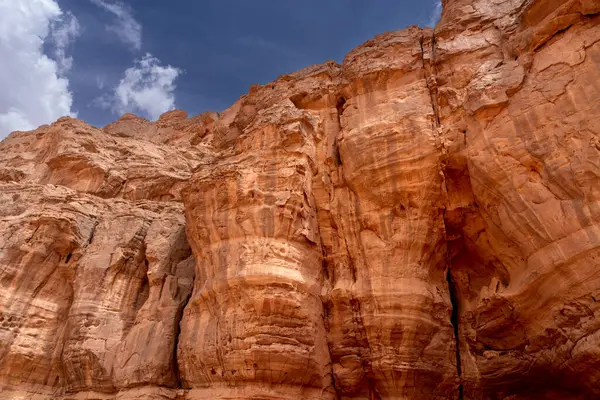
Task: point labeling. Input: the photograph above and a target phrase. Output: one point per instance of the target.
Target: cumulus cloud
(147, 88)
(125, 26)
(435, 14)
(33, 91)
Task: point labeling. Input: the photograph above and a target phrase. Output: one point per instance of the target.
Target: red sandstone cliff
(420, 222)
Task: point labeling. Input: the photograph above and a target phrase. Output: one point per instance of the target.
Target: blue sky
(147, 56)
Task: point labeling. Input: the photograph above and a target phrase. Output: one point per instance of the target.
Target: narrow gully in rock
(326, 304)
(340, 111)
(454, 322)
(429, 81)
(373, 394)
(179, 318)
(454, 317)
(175, 362)
(452, 291)
(93, 232)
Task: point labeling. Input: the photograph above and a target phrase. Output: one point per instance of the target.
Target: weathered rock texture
(419, 222)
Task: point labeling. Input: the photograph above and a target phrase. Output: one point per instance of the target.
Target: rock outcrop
(419, 222)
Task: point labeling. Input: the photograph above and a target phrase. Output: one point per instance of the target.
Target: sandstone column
(254, 324)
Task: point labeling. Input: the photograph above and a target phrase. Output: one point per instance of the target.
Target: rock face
(419, 222)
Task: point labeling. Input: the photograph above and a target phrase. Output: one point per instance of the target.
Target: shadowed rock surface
(419, 222)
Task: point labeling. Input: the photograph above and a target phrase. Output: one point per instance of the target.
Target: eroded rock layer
(419, 222)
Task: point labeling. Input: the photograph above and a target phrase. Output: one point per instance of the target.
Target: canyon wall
(419, 222)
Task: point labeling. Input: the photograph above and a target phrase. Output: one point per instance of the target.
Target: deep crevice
(452, 289)
(427, 75)
(143, 293)
(373, 393)
(339, 105)
(178, 318)
(93, 232)
(454, 321)
(337, 157)
(327, 306)
(340, 108)
(325, 268)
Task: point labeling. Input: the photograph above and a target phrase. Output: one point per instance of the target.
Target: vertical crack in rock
(93, 232)
(326, 311)
(373, 393)
(430, 81)
(329, 276)
(144, 291)
(454, 319)
(340, 111)
(174, 360)
(452, 289)
(517, 78)
(429, 75)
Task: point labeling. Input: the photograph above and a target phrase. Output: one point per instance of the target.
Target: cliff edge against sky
(419, 222)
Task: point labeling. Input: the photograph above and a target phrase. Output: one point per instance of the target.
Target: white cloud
(32, 91)
(147, 88)
(100, 81)
(125, 27)
(64, 31)
(435, 14)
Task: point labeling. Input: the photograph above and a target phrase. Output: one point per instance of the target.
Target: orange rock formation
(420, 222)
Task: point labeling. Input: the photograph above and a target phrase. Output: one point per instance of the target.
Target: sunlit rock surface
(419, 222)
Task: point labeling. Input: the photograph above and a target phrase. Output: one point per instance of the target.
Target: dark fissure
(340, 103)
(340, 108)
(174, 362)
(454, 322)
